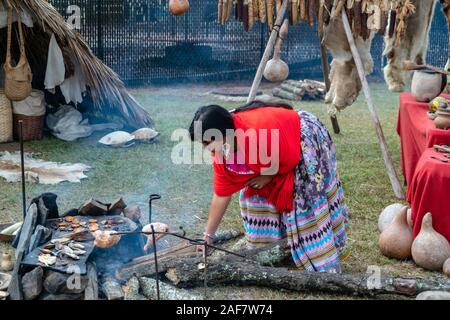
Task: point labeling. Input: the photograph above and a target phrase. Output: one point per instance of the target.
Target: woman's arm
(216, 212)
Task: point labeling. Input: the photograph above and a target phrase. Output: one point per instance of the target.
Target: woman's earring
(226, 150)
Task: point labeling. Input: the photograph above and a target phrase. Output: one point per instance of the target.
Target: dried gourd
(327, 8)
(312, 12)
(240, 10)
(224, 11)
(392, 20)
(230, 9)
(219, 11)
(303, 10)
(294, 11)
(270, 13)
(256, 10)
(320, 18)
(245, 18)
(279, 3)
(250, 14)
(263, 11)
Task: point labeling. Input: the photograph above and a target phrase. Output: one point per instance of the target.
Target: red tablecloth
(417, 133)
(429, 192)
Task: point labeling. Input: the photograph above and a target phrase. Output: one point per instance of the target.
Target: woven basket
(33, 127)
(6, 118)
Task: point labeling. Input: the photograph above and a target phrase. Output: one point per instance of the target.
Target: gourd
(446, 267)
(430, 249)
(178, 7)
(387, 215)
(396, 240)
(277, 70)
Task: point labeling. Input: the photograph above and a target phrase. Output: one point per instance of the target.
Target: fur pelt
(345, 83)
(39, 171)
(413, 46)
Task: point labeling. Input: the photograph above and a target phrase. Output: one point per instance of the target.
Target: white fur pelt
(413, 45)
(345, 83)
(39, 171)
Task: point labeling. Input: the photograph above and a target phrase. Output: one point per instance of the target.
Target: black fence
(144, 44)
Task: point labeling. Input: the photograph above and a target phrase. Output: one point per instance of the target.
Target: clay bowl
(442, 120)
(427, 85)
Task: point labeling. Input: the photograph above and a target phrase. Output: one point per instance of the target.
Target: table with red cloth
(428, 179)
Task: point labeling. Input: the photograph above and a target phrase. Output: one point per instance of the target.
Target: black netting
(143, 43)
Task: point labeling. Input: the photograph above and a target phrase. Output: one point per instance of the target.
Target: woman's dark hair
(219, 118)
(211, 117)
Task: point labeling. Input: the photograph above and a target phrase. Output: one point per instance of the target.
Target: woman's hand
(209, 239)
(260, 182)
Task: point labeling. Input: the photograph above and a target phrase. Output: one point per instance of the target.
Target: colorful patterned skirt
(316, 229)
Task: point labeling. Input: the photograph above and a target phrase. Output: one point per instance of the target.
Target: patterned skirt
(316, 229)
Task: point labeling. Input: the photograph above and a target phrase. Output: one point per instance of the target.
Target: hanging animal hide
(345, 83)
(40, 171)
(412, 46)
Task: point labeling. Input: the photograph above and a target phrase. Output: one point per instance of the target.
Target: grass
(136, 172)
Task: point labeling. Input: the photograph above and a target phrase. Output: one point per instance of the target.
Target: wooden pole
(326, 78)
(395, 182)
(267, 52)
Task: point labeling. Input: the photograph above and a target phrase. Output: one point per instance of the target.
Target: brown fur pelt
(345, 83)
(413, 45)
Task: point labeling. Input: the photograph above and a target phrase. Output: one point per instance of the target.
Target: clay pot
(442, 120)
(396, 240)
(446, 268)
(178, 7)
(387, 215)
(430, 249)
(7, 263)
(427, 85)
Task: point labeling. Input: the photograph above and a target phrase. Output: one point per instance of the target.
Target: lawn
(136, 172)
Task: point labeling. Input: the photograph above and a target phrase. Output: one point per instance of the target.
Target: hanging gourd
(276, 69)
(178, 7)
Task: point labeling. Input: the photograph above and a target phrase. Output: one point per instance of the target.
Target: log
(131, 290)
(267, 52)
(167, 292)
(392, 173)
(229, 271)
(112, 289)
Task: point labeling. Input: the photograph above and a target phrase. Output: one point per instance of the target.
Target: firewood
(167, 292)
(93, 207)
(111, 289)
(117, 207)
(131, 290)
(278, 92)
(231, 271)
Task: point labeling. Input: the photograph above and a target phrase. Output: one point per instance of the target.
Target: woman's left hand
(259, 182)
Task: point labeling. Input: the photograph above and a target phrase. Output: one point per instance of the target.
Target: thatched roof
(107, 91)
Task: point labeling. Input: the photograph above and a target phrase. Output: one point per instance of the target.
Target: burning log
(167, 292)
(111, 289)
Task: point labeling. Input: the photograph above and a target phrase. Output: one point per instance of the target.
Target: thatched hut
(106, 95)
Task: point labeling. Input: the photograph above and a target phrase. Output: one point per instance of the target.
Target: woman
(302, 199)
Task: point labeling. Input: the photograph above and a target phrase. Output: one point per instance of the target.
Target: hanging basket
(6, 118)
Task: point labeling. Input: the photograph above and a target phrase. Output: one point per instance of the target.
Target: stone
(32, 283)
(61, 283)
(40, 235)
(434, 295)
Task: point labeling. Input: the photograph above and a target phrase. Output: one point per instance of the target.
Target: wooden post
(395, 182)
(267, 52)
(326, 79)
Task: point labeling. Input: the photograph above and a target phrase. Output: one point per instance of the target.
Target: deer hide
(39, 171)
(413, 45)
(345, 83)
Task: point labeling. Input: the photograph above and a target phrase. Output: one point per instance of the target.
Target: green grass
(186, 190)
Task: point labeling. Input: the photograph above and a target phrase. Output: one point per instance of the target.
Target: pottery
(446, 268)
(427, 85)
(442, 120)
(430, 249)
(397, 239)
(387, 215)
(6, 264)
(178, 7)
